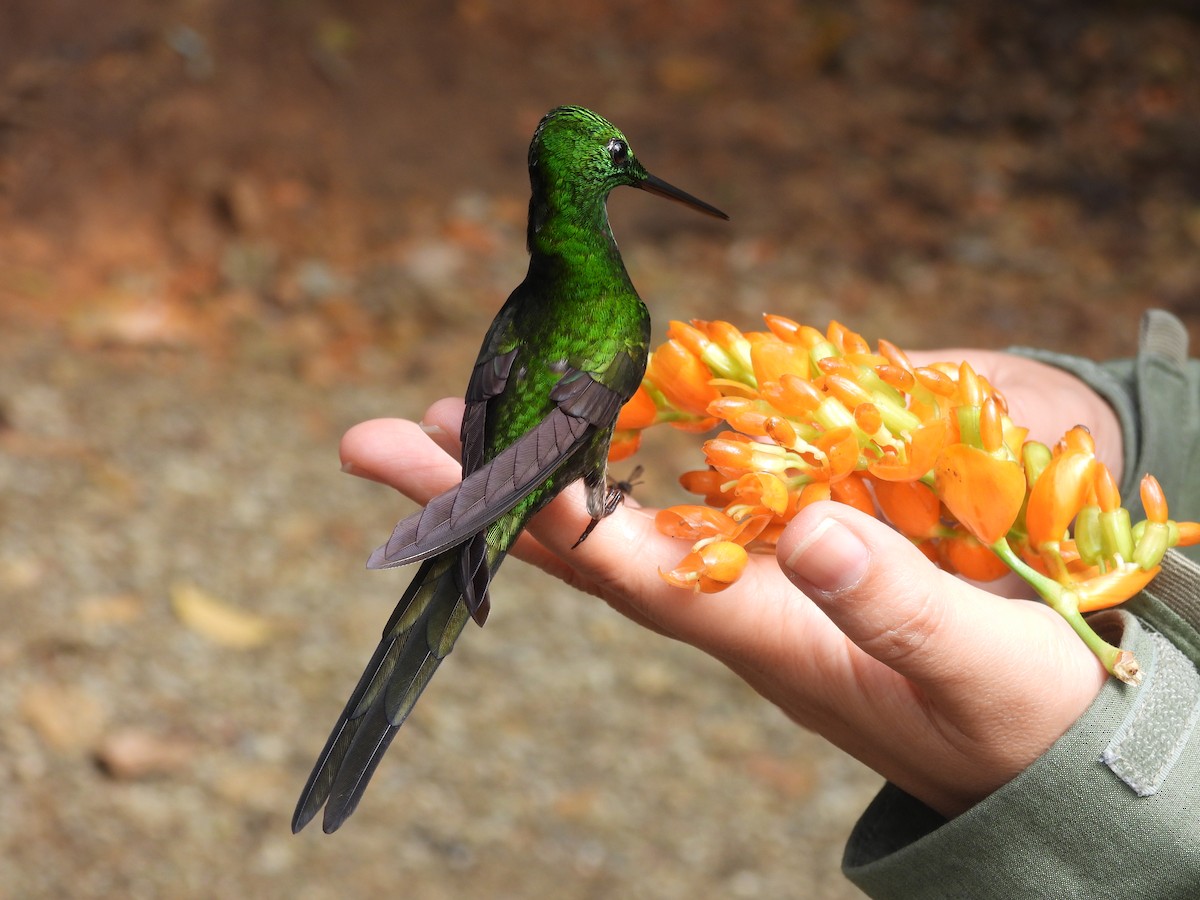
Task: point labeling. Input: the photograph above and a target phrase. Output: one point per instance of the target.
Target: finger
(399, 453)
(407, 456)
(443, 422)
(415, 460)
(623, 558)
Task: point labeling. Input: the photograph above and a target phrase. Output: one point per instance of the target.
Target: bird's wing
(582, 403)
(488, 380)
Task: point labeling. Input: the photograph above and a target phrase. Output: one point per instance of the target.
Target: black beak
(658, 186)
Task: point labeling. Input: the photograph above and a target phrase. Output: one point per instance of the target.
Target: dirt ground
(230, 230)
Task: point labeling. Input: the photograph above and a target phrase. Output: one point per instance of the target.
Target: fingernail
(351, 469)
(432, 430)
(829, 559)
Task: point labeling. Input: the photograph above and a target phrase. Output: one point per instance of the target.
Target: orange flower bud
(852, 490)
(762, 489)
(983, 493)
(1154, 501)
(1189, 534)
(624, 444)
(937, 382)
(894, 355)
(846, 340)
(709, 483)
(780, 430)
(783, 328)
(868, 417)
(991, 429)
(691, 337)
(811, 338)
(771, 358)
(792, 396)
(1078, 439)
(728, 453)
(724, 334)
(923, 446)
(849, 393)
(865, 360)
(894, 376)
(742, 414)
(728, 353)
(970, 391)
(638, 412)
(694, 523)
(1001, 400)
(1113, 587)
(971, 559)
(1057, 495)
(911, 506)
(1108, 497)
(682, 378)
(837, 365)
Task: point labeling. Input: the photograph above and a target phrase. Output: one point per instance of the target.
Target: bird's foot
(617, 491)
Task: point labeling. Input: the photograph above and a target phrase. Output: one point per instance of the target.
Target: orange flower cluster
(817, 416)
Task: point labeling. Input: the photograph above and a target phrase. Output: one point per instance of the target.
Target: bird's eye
(618, 150)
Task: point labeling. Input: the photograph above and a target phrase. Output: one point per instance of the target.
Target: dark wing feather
(579, 394)
(599, 398)
(488, 380)
(485, 495)
(474, 577)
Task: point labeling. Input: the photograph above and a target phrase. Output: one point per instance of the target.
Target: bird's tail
(426, 623)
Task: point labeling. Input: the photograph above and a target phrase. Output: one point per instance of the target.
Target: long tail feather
(428, 619)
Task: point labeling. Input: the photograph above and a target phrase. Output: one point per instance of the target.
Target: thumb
(985, 683)
(951, 638)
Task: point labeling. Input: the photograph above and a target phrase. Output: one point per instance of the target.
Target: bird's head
(578, 157)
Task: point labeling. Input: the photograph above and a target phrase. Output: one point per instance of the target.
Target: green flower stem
(1120, 663)
(968, 425)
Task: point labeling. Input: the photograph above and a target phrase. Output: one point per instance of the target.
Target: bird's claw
(617, 492)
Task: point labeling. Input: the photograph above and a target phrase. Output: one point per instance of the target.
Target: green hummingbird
(560, 359)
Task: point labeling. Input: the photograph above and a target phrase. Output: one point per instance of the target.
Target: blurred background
(229, 230)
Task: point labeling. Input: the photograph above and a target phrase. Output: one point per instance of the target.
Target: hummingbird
(563, 355)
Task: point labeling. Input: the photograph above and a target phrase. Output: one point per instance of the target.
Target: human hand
(945, 689)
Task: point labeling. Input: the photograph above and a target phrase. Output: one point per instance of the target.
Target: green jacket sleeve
(1113, 807)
